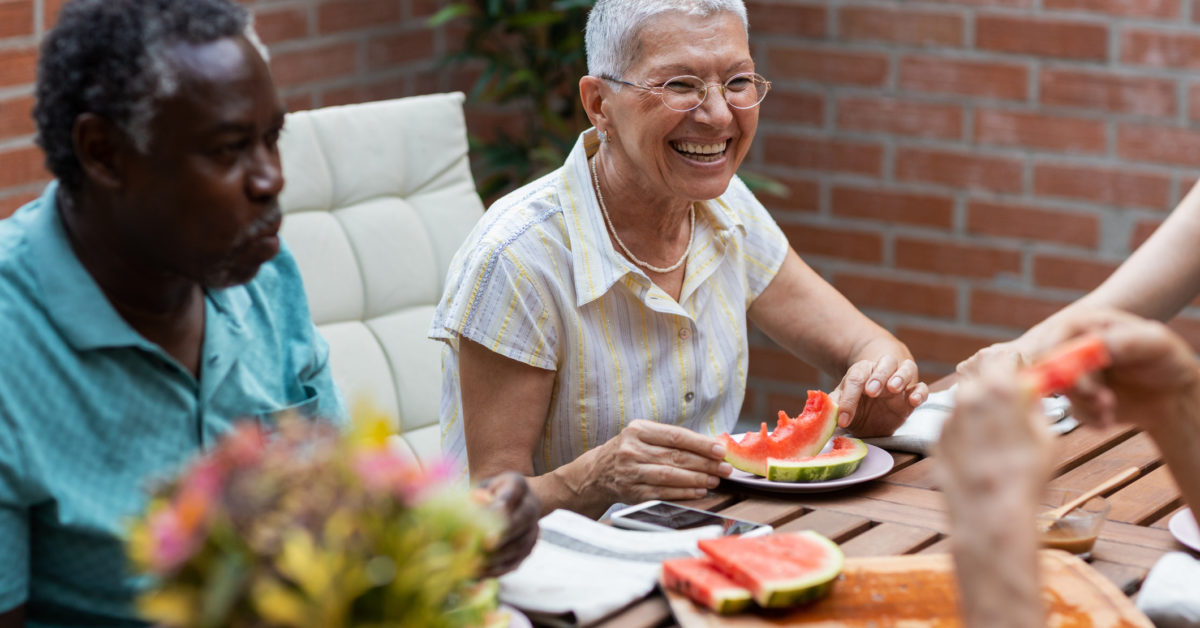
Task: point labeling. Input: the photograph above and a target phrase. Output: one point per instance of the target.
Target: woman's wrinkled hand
(510, 495)
(876, 396)
(649, 460)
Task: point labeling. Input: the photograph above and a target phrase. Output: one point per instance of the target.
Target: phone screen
(677, 518)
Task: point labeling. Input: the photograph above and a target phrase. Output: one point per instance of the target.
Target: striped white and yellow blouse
(539, 281)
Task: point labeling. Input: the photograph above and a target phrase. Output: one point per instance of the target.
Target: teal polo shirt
(91, 412)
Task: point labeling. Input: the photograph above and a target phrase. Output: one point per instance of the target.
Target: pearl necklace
(632, 257)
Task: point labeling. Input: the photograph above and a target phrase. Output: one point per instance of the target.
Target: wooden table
(903, 512)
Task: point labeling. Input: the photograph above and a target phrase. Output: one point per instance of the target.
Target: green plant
(531, 55)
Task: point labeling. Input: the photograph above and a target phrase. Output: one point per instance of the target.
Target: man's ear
(99, 145)
(593, 92)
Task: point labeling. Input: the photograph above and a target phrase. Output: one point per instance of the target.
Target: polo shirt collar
(596, 264)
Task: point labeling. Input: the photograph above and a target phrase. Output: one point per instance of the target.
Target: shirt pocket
(303, 404)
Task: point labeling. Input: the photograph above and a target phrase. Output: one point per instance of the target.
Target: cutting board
(901, 591)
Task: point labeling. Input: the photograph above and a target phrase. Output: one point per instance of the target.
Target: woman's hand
(971, 366)
(875, 396)
(649, 460)
(510, 495)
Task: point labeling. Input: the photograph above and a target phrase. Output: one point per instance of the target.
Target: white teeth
(700, 149)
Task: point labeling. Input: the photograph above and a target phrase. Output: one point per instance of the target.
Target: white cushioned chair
(379, 196)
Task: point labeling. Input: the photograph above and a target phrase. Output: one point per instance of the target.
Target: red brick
(1010, 309)
(958, 169)
(1119, 187)
(790, 402)
(900, 117)
(485, 123)
(1107, 92)
(803, 196)
(276, 25)
(827, 65)
(984, 79)
(1034, 130)
(16, 18)
(344, 15)
(1160, 9)
(10, 204)
(385, 52)
(943, 345)
(1033, 223)
(50, 10)
(785, 105)
(824, 154)
(858, 246)
(380, 90)
(1194, 100)
(16, 118)
(896, 295)
(299, 102)
(1161, 49)
(1162, 144)
(955, 259)
(314, 64)
(423, 8)
(776, 364)
(20, 166)
(1053, 271)
(1015, 4)
(1042, 37)
(786, 18)
(18, 66)
(901, 25)
(894, 206)
(1141, 232)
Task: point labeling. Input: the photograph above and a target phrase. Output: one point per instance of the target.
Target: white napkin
(923, 427)
(582, 570)
(1170, 596)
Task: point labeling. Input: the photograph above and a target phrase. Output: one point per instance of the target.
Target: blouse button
(684, 333)
(689, 396)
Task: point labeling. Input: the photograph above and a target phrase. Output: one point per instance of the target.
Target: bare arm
(807, 316)
(505, 408)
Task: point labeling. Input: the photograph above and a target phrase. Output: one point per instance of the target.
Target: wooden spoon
(1048, 518)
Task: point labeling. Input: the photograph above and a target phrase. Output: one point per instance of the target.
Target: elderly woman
(595, 320)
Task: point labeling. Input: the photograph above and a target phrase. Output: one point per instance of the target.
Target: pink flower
(172, 542)
(383, 471)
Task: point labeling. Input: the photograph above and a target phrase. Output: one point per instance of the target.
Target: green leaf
(762, 183)
(448, 13)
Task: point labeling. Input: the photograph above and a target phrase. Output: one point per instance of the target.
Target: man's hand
(511, 496)
(876, 396)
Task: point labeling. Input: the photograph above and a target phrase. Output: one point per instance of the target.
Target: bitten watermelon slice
(700, 580)
(780, 569)
(800, 437)
(1059, 369)
(847, 454)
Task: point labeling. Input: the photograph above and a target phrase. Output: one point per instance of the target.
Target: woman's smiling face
(691, 155)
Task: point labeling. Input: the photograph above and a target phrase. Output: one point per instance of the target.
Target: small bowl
(1076, 531)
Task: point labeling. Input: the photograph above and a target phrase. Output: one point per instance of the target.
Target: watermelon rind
(828, 466)
(701, 581)
(752, 457)
(747, 561)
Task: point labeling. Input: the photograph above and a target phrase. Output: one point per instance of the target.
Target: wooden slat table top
(903, 513)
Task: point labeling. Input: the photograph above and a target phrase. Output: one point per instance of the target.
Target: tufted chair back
(379, 196)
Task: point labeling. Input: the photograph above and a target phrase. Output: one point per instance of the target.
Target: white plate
(877, 463)
(1183, 526)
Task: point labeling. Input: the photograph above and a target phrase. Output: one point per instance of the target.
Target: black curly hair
(105, 57)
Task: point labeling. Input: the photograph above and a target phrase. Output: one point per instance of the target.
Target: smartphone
(658, 515)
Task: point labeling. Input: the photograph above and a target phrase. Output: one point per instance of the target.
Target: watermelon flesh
(700, 580)
(1058, 370)
(781, 569)
(842, 460)
(800, 437)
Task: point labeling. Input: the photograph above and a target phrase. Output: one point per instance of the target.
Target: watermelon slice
(847, 454)
(800, 437)
(1059, 369)
(780, 569)
(700, 580)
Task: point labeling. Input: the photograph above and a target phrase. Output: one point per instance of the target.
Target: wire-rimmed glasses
(684, 93)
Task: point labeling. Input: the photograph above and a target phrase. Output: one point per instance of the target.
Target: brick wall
(959, 169)
(324, 52)
(962, 169)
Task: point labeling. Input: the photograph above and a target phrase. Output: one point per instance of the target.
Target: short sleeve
(498, 301)
(765, 246)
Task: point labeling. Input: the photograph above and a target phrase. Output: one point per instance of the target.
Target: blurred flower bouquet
(309, 527)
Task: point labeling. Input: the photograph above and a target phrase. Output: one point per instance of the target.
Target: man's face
(202, 203)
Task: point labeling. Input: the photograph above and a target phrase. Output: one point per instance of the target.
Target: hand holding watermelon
(877, 395)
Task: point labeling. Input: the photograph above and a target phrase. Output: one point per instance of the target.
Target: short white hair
(613, 28)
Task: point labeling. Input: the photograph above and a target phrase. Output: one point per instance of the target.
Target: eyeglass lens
(684, 93)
